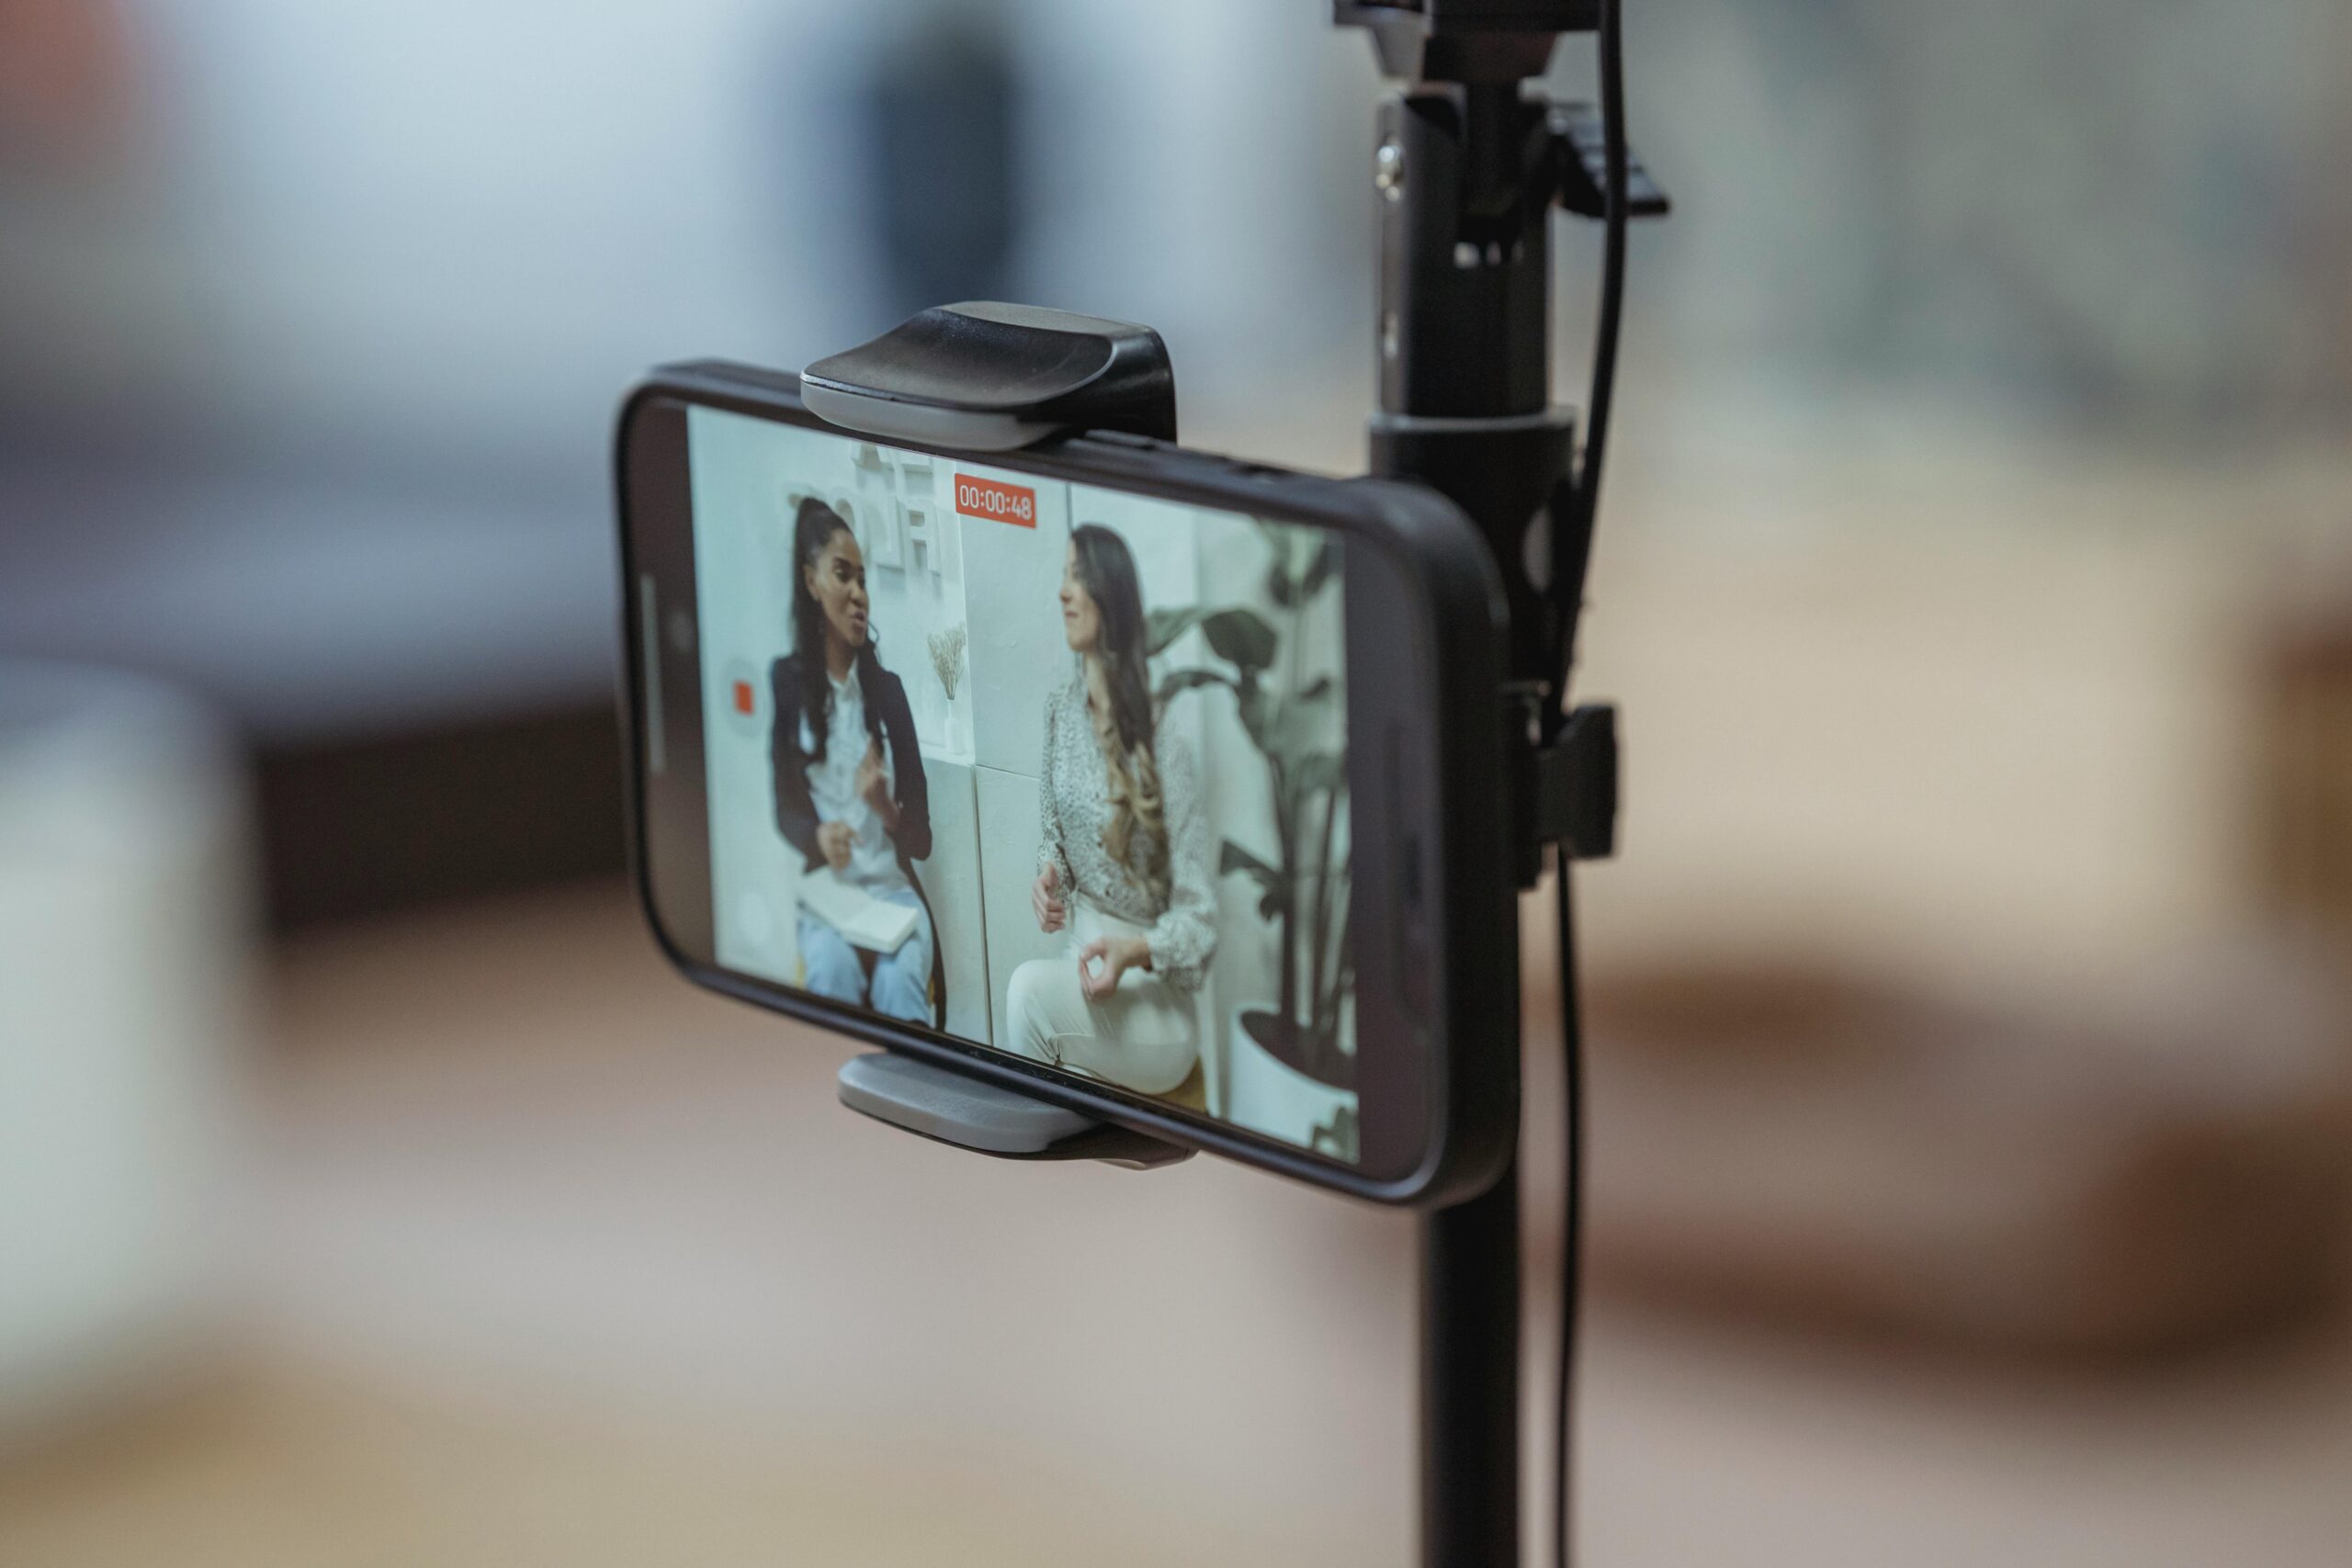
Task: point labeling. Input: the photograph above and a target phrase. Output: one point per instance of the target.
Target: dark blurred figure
(942, 111)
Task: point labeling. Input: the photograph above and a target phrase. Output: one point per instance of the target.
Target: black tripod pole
(1470, 1382)
(1468, 169)
(1464, 406)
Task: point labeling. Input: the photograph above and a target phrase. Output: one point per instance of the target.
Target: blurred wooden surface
(558, 1262)
(2153, 1171)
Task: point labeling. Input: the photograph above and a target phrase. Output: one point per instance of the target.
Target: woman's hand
(874, 786)
(836, 840)
(1046, 898)
(873, 781)
(1103, 960)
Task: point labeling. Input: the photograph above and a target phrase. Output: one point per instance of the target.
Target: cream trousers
(1142, 1036)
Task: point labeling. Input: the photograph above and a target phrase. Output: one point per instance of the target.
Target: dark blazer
(887, 716)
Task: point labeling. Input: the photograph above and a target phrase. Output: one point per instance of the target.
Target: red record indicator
(744, 697)
(996, 502)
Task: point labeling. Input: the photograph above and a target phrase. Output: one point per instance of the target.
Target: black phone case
(1474, 1111)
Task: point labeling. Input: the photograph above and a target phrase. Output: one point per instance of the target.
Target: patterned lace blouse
(1075, 804)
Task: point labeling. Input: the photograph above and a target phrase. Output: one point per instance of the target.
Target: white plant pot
(1269, 1096)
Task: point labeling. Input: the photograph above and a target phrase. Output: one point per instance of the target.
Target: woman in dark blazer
(849, 783)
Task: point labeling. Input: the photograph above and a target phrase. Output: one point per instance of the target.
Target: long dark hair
(1131, 764)
(813, 527)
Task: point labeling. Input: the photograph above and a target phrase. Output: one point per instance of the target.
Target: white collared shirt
(833, 787)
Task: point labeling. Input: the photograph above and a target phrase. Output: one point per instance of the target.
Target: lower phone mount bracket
(945, 1106)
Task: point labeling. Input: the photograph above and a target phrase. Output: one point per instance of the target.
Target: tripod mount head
(1465, 40)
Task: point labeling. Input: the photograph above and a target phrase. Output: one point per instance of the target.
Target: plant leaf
(1241, 636)
(1178, 682)
(1162, 627)
(1318, 573)
(1234, 858)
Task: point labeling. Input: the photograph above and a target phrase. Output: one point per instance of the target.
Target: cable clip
(1581, 141)
(1576, 785)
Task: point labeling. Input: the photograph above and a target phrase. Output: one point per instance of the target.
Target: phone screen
(1057, 770)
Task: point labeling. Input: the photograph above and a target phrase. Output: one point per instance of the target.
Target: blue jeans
(900, 985)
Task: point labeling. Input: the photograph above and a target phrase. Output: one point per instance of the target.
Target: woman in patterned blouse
(1123, 856)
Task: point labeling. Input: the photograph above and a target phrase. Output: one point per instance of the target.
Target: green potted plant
(1297, 719)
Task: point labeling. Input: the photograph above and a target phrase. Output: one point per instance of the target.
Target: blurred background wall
(314, 320)
(311, 320)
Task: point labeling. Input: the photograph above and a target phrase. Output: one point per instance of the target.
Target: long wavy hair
(813, 527)
(1136, 833)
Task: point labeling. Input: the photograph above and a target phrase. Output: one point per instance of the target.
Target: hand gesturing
(1103, 960)
(872, 780)
(1046, 898)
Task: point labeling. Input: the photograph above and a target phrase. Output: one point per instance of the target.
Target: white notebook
(863, 920)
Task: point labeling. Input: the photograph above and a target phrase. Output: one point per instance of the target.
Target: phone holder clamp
(983, 376)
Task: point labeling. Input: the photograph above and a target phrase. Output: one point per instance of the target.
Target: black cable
(1604, 380)
(1616, 178)
(1571, 1213)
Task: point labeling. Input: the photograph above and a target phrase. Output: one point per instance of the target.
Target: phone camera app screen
(1057, 769)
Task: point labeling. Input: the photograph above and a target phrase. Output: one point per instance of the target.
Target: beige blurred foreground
(564, 1263)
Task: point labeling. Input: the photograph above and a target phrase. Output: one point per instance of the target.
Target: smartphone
(1162, 786)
